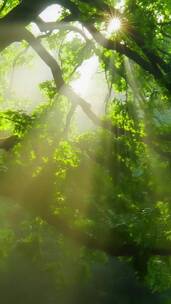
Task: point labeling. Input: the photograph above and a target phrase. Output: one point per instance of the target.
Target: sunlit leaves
(9, 5)
(48, 87)
(112, 184)
(65, 154)
(16, 121)
(72, 54)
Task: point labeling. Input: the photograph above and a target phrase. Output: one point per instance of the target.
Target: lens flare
(114, 25)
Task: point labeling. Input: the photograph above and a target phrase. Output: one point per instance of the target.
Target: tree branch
(18, 17)
(68, 119)
(26, 12)
(50, 26)
(8, 142)
(65, 89)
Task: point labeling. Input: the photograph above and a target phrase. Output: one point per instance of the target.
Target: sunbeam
(85, 152)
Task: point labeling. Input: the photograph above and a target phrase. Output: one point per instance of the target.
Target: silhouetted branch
(59, 25)
(11, 27)
(65, 89)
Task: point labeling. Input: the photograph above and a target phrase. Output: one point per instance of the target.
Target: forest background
(85, 163)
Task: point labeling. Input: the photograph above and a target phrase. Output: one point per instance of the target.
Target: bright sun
(114, 25)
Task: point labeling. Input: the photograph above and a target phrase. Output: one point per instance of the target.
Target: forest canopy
(85, 169)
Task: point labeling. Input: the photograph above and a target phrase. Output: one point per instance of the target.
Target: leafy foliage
(85, 217)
